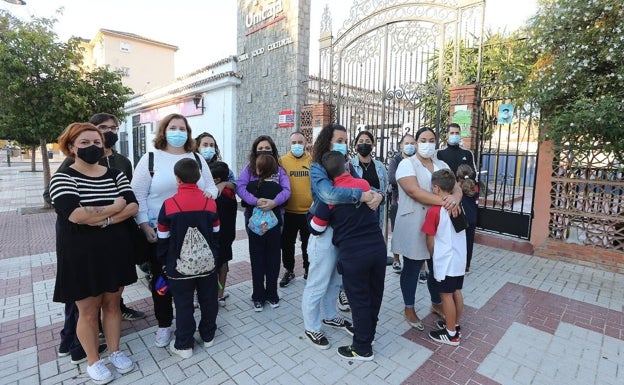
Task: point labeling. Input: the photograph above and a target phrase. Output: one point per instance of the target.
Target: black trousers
(183, 291)
(264, 254)
(363, 281)
(470, 235)
(163, 305)
(293, 224)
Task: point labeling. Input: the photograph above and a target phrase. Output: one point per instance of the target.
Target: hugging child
(447, 248)
(361, 256)
(226, 208)
(188, 228)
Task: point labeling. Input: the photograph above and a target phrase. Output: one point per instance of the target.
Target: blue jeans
(409, 281)
(322, 285)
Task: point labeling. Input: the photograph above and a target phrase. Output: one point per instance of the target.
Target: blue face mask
(176, 138)
(208, 152)
(340, 147)
(454, 140)
(297, 150)
(409, 149)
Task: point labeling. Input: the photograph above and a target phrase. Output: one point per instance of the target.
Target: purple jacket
(245, 177)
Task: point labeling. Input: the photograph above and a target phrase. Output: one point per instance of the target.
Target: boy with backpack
(188, 248)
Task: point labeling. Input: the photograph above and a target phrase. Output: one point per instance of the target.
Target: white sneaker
(184, 353)
(208, 344)
(99, 373)
(121, 362)
(163, 337)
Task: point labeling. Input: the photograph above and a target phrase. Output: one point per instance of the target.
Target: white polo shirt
(449, 250)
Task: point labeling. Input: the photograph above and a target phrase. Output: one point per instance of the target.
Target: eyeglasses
(104, 128)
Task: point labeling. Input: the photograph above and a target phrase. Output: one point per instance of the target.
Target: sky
(205, 30)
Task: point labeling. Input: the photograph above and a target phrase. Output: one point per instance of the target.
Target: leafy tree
(43, 87)
(578, 77)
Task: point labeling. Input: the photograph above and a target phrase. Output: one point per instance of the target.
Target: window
(124, 46)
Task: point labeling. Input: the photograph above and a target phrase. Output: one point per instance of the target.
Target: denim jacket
(323, 189)
(382, 174)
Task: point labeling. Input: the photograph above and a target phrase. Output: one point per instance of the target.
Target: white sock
(451, 333)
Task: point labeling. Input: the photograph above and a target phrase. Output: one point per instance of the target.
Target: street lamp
(16, 2)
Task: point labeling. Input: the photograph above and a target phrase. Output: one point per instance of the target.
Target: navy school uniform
(361, 259)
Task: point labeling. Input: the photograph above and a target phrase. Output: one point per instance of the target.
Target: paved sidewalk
(527, 320)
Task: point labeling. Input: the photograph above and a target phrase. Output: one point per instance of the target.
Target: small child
(188, 228)
(226, 208)
(448, 251)
(470, 204)
(265, 250)
(361, 256)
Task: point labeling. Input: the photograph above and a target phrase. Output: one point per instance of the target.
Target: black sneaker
(443, 337)
(287, 278)
(78, 356)
(128, 314)
(340, 323)
(318, 339)
(258, 306)
(441, 325)
(348, 353)
(343, 302)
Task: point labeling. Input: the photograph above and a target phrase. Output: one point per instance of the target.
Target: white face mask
(426, 150)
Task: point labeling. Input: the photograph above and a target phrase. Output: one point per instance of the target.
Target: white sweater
(151, 192)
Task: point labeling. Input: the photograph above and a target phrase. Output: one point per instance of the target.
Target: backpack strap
(176, 202)
(198, 161)
(150, 163)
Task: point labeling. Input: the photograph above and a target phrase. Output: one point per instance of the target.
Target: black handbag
(140, 245)
(460, 222)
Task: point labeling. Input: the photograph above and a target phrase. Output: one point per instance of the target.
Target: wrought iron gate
(377, 72)
(507, 162)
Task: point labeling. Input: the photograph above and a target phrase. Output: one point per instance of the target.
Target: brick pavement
(528, 320)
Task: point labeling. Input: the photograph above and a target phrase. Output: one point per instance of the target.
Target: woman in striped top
(94, 258)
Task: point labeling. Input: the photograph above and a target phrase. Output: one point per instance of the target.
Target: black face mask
(364, 149)
(91, 154)
(264, 152)
(110, 138)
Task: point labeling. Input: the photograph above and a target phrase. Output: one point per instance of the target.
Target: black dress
(92, 260)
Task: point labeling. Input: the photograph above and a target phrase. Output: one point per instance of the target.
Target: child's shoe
(443, 337)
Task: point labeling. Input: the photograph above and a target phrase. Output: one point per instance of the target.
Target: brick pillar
(543, 186)
(466, 96)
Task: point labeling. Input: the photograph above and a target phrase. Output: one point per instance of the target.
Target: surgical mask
(176, 138)
(91, 154)
(208, 152)
(364, 149)
(409, 149)
(340, 147)
(426, 150)
(110, 138)
(453, 140)
(297, 150)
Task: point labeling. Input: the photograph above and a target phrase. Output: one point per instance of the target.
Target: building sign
(286, 118)
(262, 50)
(261, 16)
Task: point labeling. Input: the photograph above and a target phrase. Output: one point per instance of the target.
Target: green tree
(43, 87)
(578, 77)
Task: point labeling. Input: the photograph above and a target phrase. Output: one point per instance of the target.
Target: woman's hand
(374, 203)
(149, 232)
(451, 205)
(266, 204)
(208, 195)
(118, 204)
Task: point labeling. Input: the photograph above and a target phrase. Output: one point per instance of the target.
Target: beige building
(145, 63)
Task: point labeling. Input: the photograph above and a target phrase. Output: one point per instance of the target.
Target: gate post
(464, 110)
